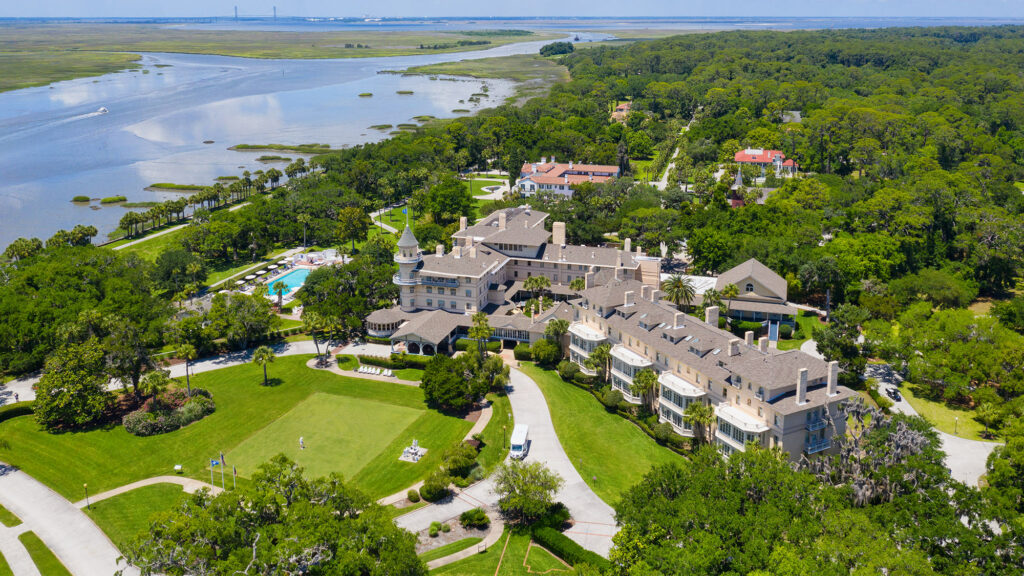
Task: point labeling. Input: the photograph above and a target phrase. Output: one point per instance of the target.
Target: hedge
(377, 340)
(14, 410)
(396, 361)
(522, 352)
(464, 344)
(560, 545)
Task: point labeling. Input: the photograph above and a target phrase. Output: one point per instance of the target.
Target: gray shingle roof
(408, 239)
(485, 260)
(753, 269)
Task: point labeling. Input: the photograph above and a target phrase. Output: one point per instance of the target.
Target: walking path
(174, 228)
(965, 458)
(496, 529)
(188, 485)
(594, 519)
(375, 217)
(83, 548)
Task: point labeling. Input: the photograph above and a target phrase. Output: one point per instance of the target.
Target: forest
(905, 222)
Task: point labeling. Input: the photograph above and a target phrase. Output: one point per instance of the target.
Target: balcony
(816, 446)
(816, 424)
(425, 281)
(397, 279)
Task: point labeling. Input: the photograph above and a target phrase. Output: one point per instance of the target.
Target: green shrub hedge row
(560, 545)
(14, 410)
(376, 340)
(470, 344)
(522, 352)
(396, 361)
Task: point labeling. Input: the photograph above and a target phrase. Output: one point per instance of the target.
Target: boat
(102, 110)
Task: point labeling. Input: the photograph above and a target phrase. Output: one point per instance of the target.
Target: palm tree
(712, 297)
(154, 382)
(701, 417)
(537, 285)
(556, 328)
(279, 288)
(680, 290)
(303, 219)
(263, 355)
(481, 332)
(645, 382)
(578, 284)
(730, 291)
(313, 323)
(600, 358)
(187, 352)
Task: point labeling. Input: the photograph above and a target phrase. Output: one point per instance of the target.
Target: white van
(520, 442)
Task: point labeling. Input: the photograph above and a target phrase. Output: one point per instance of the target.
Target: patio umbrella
(272, 267)
(250, 277)
(239, 282)
(261, 272)
(282, 262)
(223, 292)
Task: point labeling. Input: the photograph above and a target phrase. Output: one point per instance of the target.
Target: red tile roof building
(560, 178)
(765, 158)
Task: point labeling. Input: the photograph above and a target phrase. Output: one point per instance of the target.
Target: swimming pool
(294, 279)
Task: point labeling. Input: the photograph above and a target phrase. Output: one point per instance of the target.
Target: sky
(479, 8)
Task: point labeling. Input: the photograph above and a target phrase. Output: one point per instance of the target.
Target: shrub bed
(169, 412)
(464, 344)
(560, 545)
(475, 518)
(14, 410)
(522, 352)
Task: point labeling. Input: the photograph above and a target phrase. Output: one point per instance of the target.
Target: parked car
(894, 394)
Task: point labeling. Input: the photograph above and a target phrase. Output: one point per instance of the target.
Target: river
(54, 144)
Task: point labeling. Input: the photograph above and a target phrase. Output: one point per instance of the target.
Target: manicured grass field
(7, 518)
(949, 420)
(808, 323)
(495, 438)
(110, 457)
(540, 561)
(45, 561)
(341, 434)
(447, 549)
(491, 562)
(608, 451)
(125, 516)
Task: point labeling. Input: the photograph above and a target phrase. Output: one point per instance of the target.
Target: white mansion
(786, 399)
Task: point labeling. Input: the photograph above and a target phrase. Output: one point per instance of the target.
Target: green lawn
(491, 563)
(608, 451)
(152, 246)
(7, 518)
(45, 561)
(495, 437)
(540, 561)
(341, 434)
(108, 458)
(5, 569)
(411, 374)
(954, 421)
(478, 186)
(451, 548)
(808, 323)
(125, 516)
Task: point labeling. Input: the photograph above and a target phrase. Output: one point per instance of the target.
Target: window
(430, 302)
(760, 411)
(725, 393)
(451, 304)
(430, 290)
(777, 420)
(467, 305)
(749, 287)
(451, 291)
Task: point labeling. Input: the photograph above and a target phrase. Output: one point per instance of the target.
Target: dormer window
(749, 287)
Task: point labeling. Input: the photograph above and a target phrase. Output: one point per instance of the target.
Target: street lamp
(502, 435)
(956, 423)
(86, 487)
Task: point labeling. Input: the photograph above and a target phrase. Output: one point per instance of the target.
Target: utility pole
(236, 12)
(275, 12)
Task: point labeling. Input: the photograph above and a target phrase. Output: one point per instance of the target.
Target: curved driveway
(594, 519)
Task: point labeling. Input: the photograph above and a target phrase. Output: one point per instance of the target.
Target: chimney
(678, 320)
(629, 298)
(762, 345)
(472, 250)
(711, 315)
(565, 179)
(463, 221)
(457, 251)
(543, 159)
(570, 164)
(627, 245)
(553, 160)
(440, 250)
(588, 280)
(734, 347)
(638, 250)
(502, 220)
(534, 168)
(558, 233)
(833, 377)
(645, 292)
(801, 387)
(748, 337)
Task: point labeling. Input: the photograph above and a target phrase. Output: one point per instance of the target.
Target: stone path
(965, 458)
(188, 485)
(594, 519)
(83, 548)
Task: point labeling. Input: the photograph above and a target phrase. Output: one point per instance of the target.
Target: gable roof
(753, 269)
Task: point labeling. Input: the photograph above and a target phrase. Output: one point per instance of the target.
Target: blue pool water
(294, 279)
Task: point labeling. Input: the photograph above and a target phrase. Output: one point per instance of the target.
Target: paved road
(594, 519)
(811, 347)
(66, 530)
(965, 458)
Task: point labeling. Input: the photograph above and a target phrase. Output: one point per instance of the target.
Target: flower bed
(168, 412)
